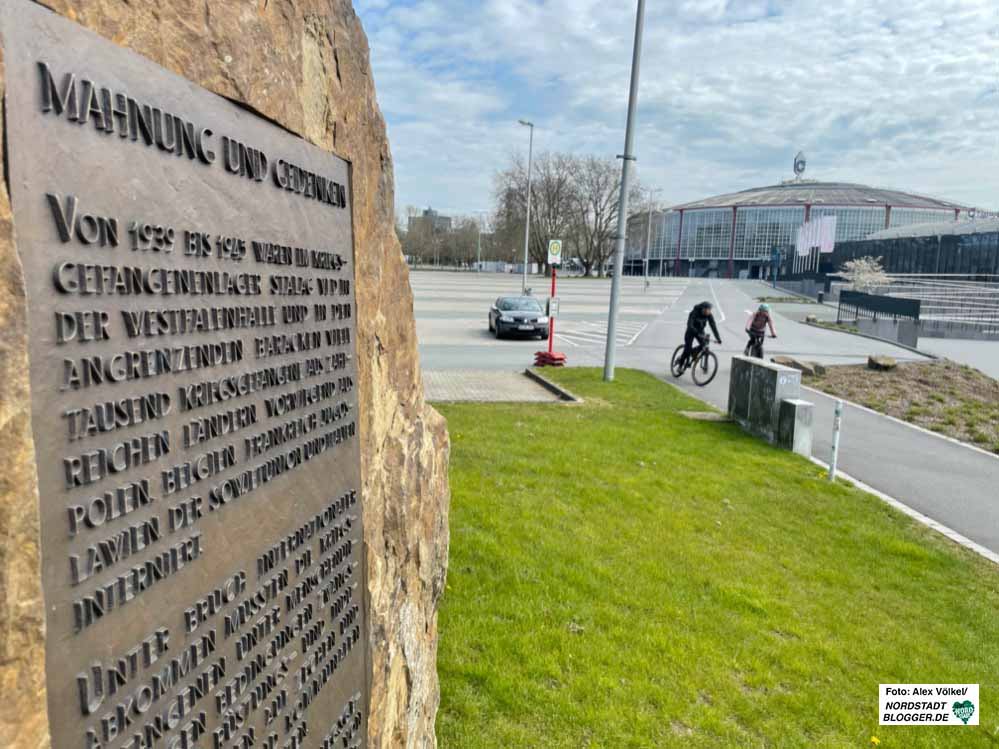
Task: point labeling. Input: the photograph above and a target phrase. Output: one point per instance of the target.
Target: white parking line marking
(635, 337)
(592, 338)
(589, 333)
(717, 303)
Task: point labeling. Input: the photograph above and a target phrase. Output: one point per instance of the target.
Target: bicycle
(703, 367)
(754, 347)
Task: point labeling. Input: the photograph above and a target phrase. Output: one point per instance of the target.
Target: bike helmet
(764, 308)
(706, 305)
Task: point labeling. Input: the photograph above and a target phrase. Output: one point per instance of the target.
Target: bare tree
(458, 246)
(508, 221)
(424, 242)
(573, 198)
(553, 193)
(595, 209)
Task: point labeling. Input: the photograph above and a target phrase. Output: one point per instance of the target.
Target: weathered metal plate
(190, 279)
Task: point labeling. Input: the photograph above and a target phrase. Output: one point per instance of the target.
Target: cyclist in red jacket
(756, 327)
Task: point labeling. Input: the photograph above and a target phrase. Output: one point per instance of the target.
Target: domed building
(736, 234)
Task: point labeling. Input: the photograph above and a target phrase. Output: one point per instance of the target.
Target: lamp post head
(526, 123)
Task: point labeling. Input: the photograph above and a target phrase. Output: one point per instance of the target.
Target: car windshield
(519, 304)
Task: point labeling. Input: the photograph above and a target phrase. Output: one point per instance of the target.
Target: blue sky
(896, 94)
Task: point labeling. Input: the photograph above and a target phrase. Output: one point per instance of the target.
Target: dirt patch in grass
(841, 326)
(949, 398)
(785, 300)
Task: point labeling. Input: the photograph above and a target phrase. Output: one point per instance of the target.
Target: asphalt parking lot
(452, 326)
(452, 308)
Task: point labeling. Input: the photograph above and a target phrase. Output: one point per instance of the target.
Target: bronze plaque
(190, 280)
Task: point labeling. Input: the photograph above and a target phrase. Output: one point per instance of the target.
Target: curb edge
(873, 338)
(547, 384)
(950, 533)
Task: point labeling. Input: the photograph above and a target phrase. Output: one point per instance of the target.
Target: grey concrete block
(985, 331)
(739, 387)
(755, 392)
(794, 430)
(905, 332)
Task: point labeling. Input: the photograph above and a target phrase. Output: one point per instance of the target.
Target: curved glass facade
(855, 222)
(759, 230)
(910, 216)
(707, 233)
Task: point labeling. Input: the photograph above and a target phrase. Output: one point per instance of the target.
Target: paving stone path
(474, 385)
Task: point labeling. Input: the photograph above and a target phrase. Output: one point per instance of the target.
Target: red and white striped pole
(551, 320)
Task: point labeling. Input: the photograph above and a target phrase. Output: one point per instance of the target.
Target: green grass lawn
(622, 576)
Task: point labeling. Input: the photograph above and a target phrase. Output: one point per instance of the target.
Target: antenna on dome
(799, 165)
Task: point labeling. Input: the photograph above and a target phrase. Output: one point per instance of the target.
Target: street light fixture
(622, 213)
(527, 224)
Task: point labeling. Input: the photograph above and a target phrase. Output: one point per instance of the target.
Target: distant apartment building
(430, 219)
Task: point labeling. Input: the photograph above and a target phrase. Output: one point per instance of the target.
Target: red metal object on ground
(550, 358)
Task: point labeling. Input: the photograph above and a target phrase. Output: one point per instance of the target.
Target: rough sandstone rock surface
(305, 65)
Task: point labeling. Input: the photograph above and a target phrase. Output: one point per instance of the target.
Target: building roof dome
(802, 192)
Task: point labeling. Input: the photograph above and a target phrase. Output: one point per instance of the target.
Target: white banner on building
(819, 234)
(827, 235)
(804, 243)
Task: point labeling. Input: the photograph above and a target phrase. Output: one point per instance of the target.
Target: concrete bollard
(794, 429)
(837, 423)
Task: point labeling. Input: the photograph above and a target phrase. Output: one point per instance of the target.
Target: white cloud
(900, 94)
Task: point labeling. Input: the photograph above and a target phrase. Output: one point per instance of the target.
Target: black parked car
(521, 315)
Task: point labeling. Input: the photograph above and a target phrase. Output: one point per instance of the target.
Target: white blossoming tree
(864, 273)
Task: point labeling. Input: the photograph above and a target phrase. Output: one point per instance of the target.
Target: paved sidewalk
(948, 482)
(983, 355)
(951, 483)
(474, 385)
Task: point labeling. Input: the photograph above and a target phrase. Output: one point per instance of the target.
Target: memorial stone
(186, 480)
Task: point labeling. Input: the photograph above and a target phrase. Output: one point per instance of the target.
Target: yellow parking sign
(555, 252)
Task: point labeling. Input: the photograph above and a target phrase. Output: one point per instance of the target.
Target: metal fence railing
(856, 305)
(948, 298)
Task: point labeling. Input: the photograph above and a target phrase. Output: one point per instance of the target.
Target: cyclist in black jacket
(699, 318)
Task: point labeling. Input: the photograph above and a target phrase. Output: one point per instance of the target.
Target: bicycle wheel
(674, 366)
(705, 369)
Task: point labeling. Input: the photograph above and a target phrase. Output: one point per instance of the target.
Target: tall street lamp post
(478, 257)
(622, 213)
(648, 236)
(480, 213)
(527, 224)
